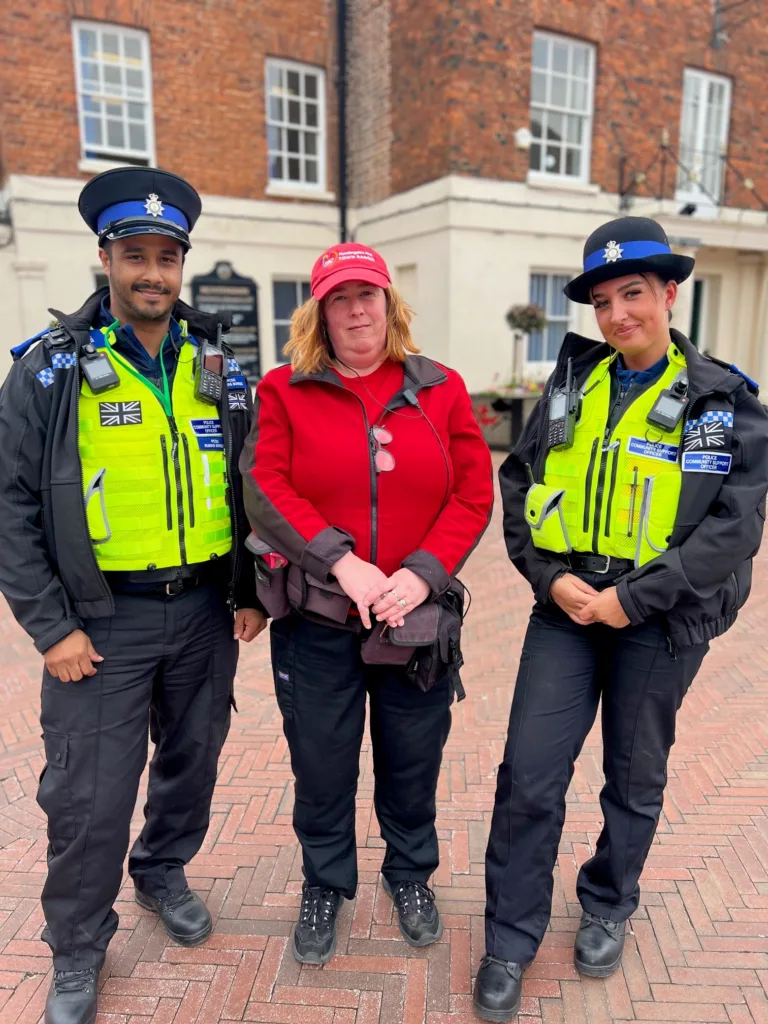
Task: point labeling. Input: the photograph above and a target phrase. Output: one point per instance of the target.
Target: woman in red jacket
(365, 470)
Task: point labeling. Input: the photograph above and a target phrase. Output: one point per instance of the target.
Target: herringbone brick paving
(699, 944)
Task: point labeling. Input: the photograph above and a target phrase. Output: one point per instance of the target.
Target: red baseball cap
(349, 261)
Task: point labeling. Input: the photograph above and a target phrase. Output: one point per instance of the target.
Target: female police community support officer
(121, 533)
(636, 527)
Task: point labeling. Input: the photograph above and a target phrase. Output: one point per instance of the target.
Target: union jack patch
(237, 400)
(705, 435)
(119, 414)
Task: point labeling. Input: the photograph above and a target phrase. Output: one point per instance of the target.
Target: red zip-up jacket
(312, 492)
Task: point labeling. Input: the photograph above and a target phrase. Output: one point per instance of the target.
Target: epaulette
(753, 386)
(56, 334)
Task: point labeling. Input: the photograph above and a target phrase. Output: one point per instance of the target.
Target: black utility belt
(601, 564)
(171, 581)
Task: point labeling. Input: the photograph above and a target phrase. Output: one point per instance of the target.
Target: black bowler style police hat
(628, 245)
(139, 201)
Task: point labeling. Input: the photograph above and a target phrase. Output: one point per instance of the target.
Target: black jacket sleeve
(730, 533)
(540, 568)
(28, 577)
(245, 578)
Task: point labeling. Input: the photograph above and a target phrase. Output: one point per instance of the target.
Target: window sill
(536, 179)
(281, 191)
(95, 165)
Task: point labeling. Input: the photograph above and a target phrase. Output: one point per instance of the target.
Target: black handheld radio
(209, 371)
(563, 413)
(669, 407)
(98, 370)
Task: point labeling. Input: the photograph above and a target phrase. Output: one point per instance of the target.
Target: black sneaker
(599, 946)
(420, 923)
(72, 997)
(314, 937)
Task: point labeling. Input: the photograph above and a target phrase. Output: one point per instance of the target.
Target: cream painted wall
(55, 255)
(468, 246)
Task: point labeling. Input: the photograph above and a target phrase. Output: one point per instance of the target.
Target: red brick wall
(459, 85)
(208, 83)
(461, 73)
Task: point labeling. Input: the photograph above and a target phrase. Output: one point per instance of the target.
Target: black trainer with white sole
(419, 918)
(314, 937)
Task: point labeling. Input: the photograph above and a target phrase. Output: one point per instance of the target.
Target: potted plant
(522, 321)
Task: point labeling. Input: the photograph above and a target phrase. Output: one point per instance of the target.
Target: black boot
(599, 946)
(186, 918)
(498, 989)
(72, 997)
(314, 937)
(420, 923)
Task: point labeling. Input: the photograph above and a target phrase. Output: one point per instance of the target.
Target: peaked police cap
(627, 245)
(139, 201)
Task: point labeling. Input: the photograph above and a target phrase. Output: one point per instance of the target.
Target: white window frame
(586, 146)
(287, 184)
(297, 282)
(111, 154)
(689, 191)
(540, 369)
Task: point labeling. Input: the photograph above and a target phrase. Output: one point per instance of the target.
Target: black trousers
(321, 685)
(169, 664)
(564, 671)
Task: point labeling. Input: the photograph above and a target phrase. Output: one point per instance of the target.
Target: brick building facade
(460, 85)
(486, 139)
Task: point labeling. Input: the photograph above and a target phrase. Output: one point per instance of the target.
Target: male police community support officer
(121, 554)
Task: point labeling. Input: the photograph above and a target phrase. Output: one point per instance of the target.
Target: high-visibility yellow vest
(613, 492)
(154, 479)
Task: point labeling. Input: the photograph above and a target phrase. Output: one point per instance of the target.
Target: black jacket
(48, 570)
(704, 577)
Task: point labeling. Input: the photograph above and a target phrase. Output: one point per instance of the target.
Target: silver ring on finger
(402, 602)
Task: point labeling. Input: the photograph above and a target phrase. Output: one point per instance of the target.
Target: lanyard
(164, 396)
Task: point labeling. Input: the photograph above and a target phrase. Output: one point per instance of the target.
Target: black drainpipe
(341, 11)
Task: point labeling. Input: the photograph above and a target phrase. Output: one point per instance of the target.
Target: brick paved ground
(699, 949)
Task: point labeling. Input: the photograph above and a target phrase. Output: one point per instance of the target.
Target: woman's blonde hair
(309, 345)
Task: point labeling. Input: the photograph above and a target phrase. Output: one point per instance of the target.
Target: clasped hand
(389, 598)
(585, 605)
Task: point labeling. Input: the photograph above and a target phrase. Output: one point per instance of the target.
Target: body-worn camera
(669, 407)
(98, 370)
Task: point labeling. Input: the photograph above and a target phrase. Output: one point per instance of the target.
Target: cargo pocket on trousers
(53, 794)
(283, 663)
